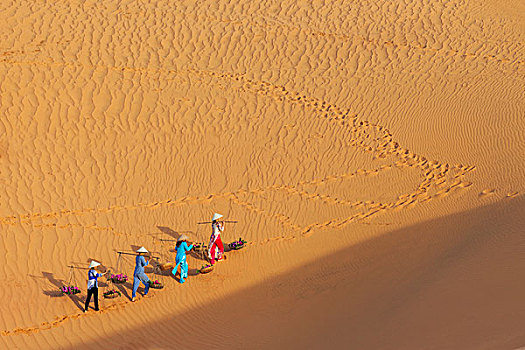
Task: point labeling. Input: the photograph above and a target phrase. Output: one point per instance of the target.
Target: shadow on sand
(440, 284)
(57, 293)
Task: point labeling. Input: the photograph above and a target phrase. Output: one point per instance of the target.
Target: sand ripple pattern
(437, 179)
(112, 110)
(363, 134)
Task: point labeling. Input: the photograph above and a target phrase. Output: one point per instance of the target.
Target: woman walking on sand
(180, 258)
(217, 227)
(92, 287)
(139, 275)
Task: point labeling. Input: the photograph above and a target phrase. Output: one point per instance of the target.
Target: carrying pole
(209, 222)
(128, 253)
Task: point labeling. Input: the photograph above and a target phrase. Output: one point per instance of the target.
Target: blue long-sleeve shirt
(140, 262)
(181, 251)
(92, 278)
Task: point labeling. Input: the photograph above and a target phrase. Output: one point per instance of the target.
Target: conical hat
(182, 238)
(94, 264)
(216, 217)
(142, 250)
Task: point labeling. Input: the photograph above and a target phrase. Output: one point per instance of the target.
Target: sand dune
(360, 145)
(399, 285)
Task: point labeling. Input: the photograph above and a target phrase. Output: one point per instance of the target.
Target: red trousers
(217, 244)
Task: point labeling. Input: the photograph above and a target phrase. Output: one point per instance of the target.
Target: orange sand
(373, 153)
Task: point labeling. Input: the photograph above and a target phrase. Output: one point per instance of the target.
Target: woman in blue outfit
(92, 287)
(138, 274)
(180, 258)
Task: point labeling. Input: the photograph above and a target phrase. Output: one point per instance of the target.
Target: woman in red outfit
(217, 227)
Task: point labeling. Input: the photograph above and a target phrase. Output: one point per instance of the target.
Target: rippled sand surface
(372, 152)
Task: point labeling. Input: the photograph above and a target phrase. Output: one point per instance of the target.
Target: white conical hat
(182, 238)
(94, 264)
(216, 217)
(142, 250)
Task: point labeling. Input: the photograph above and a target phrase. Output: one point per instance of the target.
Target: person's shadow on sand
(191, 272)
(57, 293)
(172, 233)
(124, 287)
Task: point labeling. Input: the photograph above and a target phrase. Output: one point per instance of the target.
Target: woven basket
(156, 286)
(167, 266)
(117, 281)
(71, 293)
(206, 269)
(111, 296)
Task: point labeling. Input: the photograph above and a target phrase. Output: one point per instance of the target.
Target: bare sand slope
(448, 283)
(321, 126)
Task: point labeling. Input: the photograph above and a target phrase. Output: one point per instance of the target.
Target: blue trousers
(183, 270)
(136, 281)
